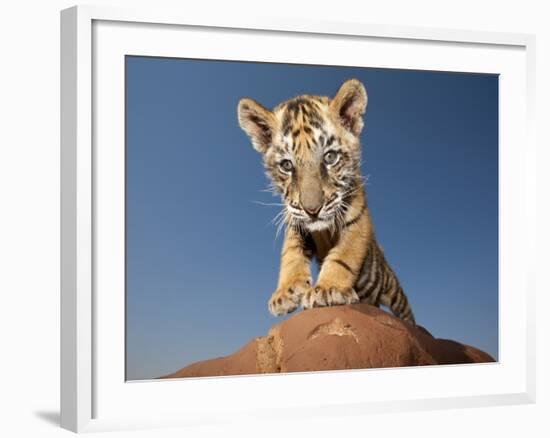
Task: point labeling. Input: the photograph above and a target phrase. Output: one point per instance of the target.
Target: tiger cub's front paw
(287, 297)
(321, 296)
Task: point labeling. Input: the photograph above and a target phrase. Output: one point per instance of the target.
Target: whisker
(278, 217)
(365, 179)
(270, 189)
(281, 222)
(268, 204)
(339, 219)
(352, 191)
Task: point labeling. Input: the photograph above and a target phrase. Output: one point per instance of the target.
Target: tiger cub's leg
(396, 300)
(378, 285)
(341, 267)
(294, 275)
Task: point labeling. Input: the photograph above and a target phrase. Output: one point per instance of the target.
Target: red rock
(336, 338)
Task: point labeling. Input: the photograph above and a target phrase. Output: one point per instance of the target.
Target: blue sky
(201, 255)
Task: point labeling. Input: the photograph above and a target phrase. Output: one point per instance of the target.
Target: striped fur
(377, 284)
(311, 153)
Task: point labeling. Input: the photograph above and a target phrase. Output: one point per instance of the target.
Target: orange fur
(311, 152)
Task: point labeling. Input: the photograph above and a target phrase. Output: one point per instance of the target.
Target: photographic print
(303, 218)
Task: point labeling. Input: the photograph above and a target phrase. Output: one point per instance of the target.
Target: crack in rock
(269, 352)
(336, 327)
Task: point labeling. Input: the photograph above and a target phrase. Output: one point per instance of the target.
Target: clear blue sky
(202, 259)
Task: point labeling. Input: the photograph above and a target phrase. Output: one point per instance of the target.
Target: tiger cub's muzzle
(312, 197)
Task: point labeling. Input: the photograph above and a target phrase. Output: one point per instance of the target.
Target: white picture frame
(94, 395)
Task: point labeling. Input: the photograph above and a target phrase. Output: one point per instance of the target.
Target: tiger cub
(311, 152)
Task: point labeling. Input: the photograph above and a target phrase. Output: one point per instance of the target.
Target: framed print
(253, 208)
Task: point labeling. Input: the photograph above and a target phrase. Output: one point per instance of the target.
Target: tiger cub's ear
(258, 122)
(349, 104)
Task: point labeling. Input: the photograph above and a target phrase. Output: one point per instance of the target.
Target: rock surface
(336, 338)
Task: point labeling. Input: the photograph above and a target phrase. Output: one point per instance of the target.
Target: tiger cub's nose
(312, 210)
(311, 194)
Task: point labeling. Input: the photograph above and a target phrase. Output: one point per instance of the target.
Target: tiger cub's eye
(331, 157)
(286, 166)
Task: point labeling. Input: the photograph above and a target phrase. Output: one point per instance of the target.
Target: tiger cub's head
(311, 152)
